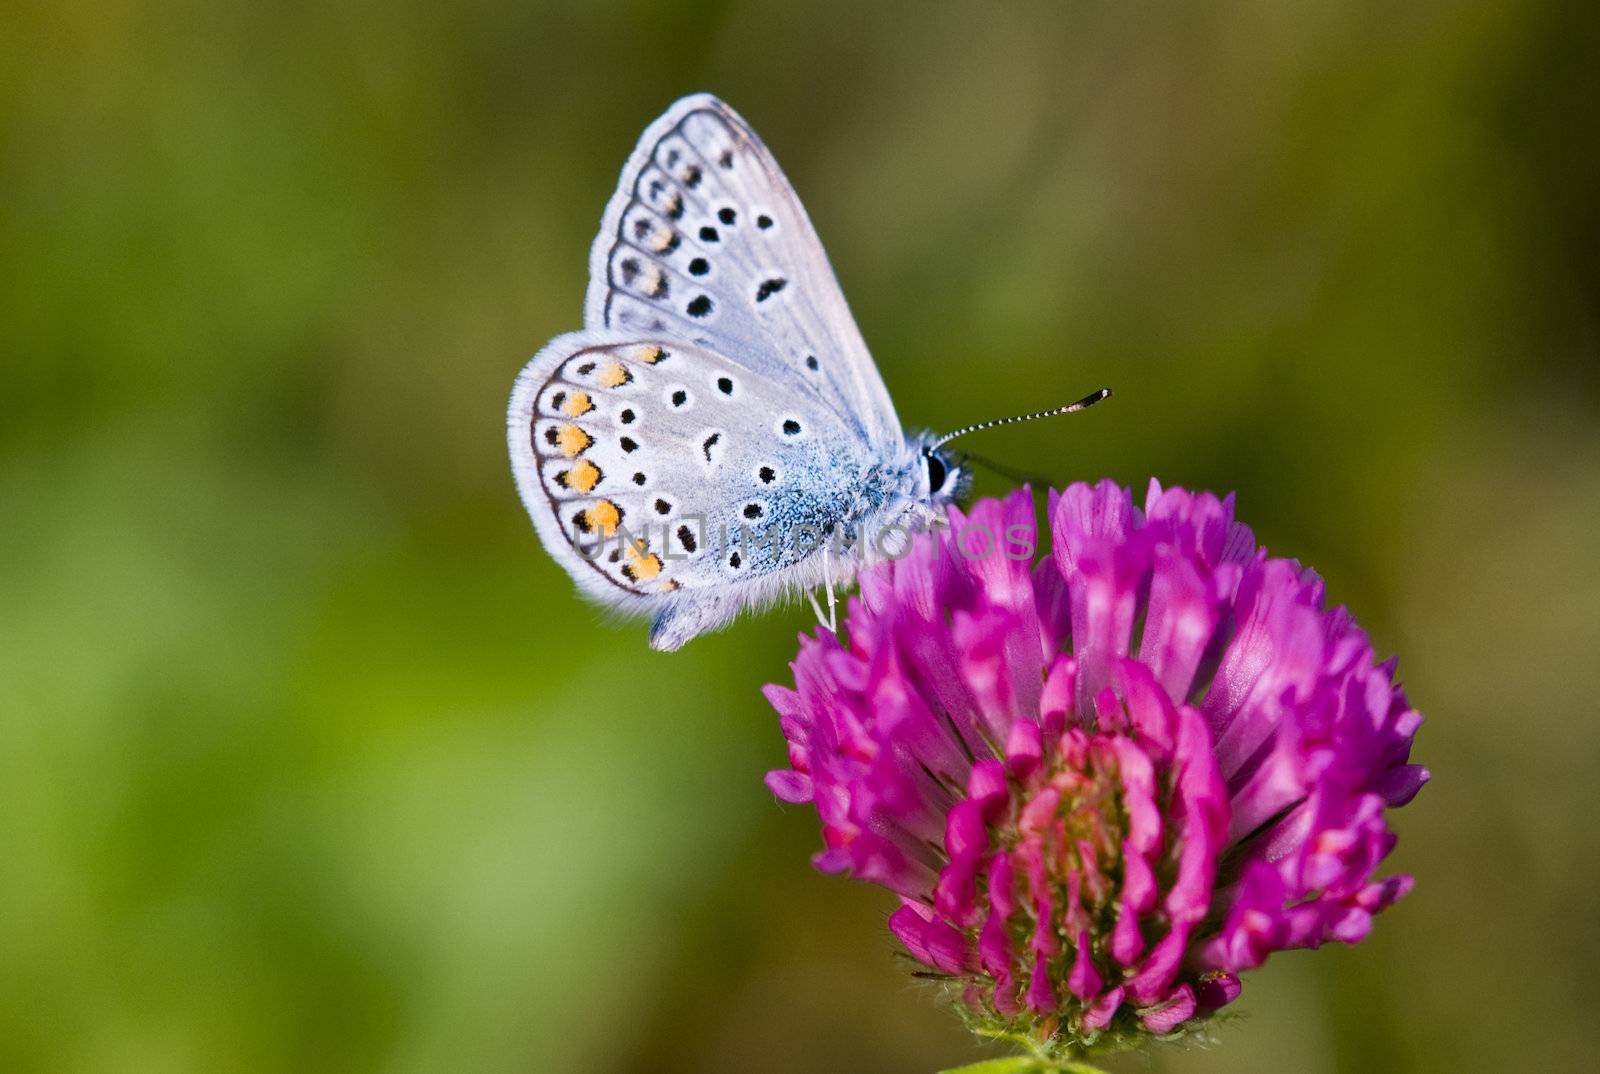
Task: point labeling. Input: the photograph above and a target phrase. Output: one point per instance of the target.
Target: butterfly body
(717, 437)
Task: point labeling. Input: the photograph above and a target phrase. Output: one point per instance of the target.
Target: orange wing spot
(656, 284)
(604, 517)
(669, 586)
(572, 440)
(649, 353)
(577, 405)
(614, 376)
(662, 239)
(641, 568)
(582, 477)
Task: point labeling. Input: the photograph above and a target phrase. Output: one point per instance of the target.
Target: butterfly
(717, 436)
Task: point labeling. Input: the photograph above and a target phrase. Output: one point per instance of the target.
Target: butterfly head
(944, 475)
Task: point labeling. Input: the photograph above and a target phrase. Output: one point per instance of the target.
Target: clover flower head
(1104, 785)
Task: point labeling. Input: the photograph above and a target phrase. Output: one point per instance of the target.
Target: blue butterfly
(717, 437)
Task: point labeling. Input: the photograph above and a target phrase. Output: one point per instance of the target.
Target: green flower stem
(1038, 1061)
(1025, 1064)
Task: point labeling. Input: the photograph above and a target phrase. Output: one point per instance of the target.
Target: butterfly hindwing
(706, 241)
(659, 472)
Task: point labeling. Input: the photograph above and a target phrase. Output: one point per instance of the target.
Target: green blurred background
(310, 758)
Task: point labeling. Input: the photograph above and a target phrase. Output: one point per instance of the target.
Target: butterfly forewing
(705, 241)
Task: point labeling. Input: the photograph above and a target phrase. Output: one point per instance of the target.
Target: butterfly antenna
(1071, 408)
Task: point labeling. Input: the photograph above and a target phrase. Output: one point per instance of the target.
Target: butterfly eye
(936, 473)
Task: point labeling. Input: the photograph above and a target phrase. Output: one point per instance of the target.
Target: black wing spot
(656, 187)
(763, 221)
(627, 417)
(699, 267)
(557, 399)
(585, 369)
(658, 288)
(663, 507)
(552, 436)
(629, 444)
(811, 362)
(638, 479)
(727, 216)
(753, 510)
(581, 520)
(726, 158)
(735, 561)
(673, 156)
(675, 206)
(725, 385)
(709, 234)
(770, 287)
(680, 397)
(791, 427)
(686, 538)
(767, 475)
(710, 442)
(692, 176)
(699, 306)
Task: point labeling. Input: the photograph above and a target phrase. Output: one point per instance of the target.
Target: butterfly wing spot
(575, 406)
(766, 475)
(699, 306)
(692, 176)
(664, 241)
(686, 540)
(678, 397)
(709, 443)
(709, 234)
(725, 159)
(628, 444)
(650, 353)
(812, 363)
(699, 267)
(770, 287)
(790, 427)
(763, 221)
(639, 478)
(655, 283)
(662, 506)
(582, 477)
(640, 568)
(603, 516)
(753, 511)
(571, 440)
(727, 215)
(627, 416)
(735, 561)
(614, 375)
(725, 385)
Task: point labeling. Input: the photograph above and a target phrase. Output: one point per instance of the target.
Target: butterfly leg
(830, 620)
(817, 608)
(827, 580)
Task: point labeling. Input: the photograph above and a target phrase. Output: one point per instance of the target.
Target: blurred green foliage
(310, 759)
